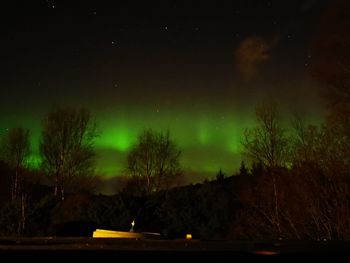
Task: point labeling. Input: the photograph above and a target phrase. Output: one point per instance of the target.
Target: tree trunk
(62, 193)
(16, 184)
(56, 185)
(276, 204)
(22, 222)
(148, 183)
(13, 187)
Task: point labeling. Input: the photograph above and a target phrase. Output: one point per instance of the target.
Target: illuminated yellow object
(101, 233)
(188, 236)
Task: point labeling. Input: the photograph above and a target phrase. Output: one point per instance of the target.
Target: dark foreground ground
(144, 249)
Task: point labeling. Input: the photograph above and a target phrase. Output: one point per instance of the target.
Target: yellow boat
(102, 233)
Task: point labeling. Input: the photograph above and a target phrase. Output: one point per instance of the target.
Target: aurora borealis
(197, 135)
(209, 140)
(195, 69)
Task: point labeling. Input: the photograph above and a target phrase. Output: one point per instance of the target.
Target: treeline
(205, 210)
(298, 203)
(296, 188)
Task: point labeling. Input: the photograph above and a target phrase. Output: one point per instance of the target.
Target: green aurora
(209, 141)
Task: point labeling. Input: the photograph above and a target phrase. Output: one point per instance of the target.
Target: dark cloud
(250, 53)
(308, 5)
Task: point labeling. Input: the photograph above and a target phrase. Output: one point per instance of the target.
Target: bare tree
(15, 151)
(67, 146)
(306, 141)
(155, 159)
(324, 202)
(266, 143)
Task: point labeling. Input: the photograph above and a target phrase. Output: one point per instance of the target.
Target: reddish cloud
(250, 53)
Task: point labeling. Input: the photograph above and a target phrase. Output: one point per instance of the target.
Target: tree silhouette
(67, 146)
(305, 142)
(266, 143)
(220, 176)
(155, 160)
(243, 169)
(15, 151)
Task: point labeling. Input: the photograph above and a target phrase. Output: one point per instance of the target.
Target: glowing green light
(204, 132)
(123, 140)
(203, 136)
(34, 161)
(120, 138)
(209, 138)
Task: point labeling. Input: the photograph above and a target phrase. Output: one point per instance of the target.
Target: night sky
(197, 69)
